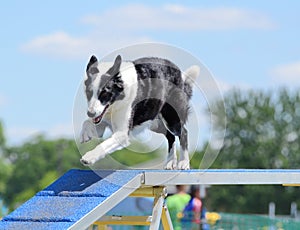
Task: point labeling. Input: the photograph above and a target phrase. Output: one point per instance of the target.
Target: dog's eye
(104, 97)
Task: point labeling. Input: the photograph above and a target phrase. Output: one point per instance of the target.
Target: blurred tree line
(263, 131)
(28, 168)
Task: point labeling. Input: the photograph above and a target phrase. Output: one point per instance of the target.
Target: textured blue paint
(89, 183)
(21, 225)
(60, 209)
(77, 183)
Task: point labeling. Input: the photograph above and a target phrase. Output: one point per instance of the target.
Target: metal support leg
(156, 213)
(159, 212)
(166, 219)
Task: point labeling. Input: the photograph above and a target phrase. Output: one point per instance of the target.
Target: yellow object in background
(212, 217)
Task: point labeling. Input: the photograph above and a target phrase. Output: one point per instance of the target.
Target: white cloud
(179, 17)
(56, 44)
(288, 74)
(63, 45)
(130, 24)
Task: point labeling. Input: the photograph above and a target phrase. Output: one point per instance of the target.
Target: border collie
(123, 95)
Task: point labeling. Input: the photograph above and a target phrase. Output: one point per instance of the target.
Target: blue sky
(45, 47)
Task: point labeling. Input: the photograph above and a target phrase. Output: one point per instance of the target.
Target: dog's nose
(90, 114)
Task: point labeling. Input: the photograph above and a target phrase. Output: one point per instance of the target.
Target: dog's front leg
(90, 130)
(171, 159)
(117, 141)
(184, 161)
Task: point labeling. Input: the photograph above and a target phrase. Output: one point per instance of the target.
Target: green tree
(5, 168)
(2, 137)
(36, 164)
(263, 132)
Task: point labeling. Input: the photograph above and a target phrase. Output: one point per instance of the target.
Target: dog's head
(103, 86)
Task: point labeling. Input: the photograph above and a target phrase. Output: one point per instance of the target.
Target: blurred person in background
(192, 212)
(176, 204)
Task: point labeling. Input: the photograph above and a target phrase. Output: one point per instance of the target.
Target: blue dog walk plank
(23, 225)
(68, 199)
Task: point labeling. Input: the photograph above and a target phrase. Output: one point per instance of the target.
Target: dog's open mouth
(97, 119)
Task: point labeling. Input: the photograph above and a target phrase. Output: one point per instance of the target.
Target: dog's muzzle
(97, 119)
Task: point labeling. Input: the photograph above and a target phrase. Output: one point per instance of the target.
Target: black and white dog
(123, 95)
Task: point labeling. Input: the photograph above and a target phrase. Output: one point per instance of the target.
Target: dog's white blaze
(94, 105)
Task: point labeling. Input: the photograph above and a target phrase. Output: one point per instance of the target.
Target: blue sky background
(45, 47)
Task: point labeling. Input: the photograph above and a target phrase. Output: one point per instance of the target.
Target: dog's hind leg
(175, 127)
(172, 156)
(184, 160)
(159, 126)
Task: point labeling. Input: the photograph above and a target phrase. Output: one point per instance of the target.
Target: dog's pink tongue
(96, 120)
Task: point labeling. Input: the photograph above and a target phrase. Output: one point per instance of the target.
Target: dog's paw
(85, 162)
(184, 165)
(88, 131)
(91, 158)
(84, 138)
(171, 165)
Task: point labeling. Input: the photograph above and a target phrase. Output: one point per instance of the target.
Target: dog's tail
(190, 74)
(189, 77)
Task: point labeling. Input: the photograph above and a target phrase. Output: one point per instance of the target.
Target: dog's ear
(114, 70)
(89, 68)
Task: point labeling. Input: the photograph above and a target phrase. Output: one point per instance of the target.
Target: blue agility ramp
(72, 198)
(81, 198)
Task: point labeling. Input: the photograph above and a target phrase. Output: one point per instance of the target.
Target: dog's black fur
(167, 96)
